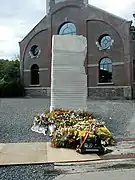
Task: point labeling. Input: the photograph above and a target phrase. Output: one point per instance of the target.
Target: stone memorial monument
(68, 76)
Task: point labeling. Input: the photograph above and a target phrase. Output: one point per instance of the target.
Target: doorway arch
(34, 74)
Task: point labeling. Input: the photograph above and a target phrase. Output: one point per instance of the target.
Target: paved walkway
(36, 153)
(42, 152)
(112, 175)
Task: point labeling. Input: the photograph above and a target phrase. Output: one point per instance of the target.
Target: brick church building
(110, 53)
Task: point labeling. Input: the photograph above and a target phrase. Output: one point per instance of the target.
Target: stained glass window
(105, 41)
(67, 28)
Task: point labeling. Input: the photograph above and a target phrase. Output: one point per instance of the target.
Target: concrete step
(38, 153)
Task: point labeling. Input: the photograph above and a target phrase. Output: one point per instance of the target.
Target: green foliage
(9, 79)
(9, 70)
(2, 85)
(12, 89)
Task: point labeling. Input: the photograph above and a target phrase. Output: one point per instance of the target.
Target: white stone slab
(69, 69)
(69, 43)
(68, 76)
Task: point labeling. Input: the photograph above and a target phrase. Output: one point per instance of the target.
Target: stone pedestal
(68, 77)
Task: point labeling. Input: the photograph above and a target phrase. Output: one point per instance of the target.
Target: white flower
(43, 115)
(35, 119)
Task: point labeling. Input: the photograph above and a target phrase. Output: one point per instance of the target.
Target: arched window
(105, 70)
(67, 29)
(34, 74)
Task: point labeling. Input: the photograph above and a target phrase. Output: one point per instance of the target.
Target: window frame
(104, 47)
(72, 30)
(32, 55)
(107, 64)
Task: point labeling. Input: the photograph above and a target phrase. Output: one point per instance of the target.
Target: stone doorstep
(43, 153)
(22, 153)
(39, 153)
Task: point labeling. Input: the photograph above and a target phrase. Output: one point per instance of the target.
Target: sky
(18, 17)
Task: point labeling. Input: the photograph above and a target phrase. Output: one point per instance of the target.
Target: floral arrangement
(69, 126)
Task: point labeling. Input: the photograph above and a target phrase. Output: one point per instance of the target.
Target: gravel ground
(23, 172)
(119, 116)
(16, 119)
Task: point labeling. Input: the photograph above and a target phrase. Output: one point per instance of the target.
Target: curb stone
(95, 162)
(107, 165)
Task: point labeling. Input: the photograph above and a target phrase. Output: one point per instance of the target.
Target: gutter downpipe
(131, 65)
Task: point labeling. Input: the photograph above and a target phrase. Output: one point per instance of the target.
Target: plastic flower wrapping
(67, 127)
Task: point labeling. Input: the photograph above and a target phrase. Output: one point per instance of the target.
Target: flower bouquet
(67, 127)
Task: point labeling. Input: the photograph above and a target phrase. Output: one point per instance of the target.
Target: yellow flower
(82, 133)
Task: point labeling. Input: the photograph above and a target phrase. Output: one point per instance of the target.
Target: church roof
(34, 28)
(118, 17)
(90, 6)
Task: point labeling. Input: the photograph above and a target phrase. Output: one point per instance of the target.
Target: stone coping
(39, 153)
(43, 153)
